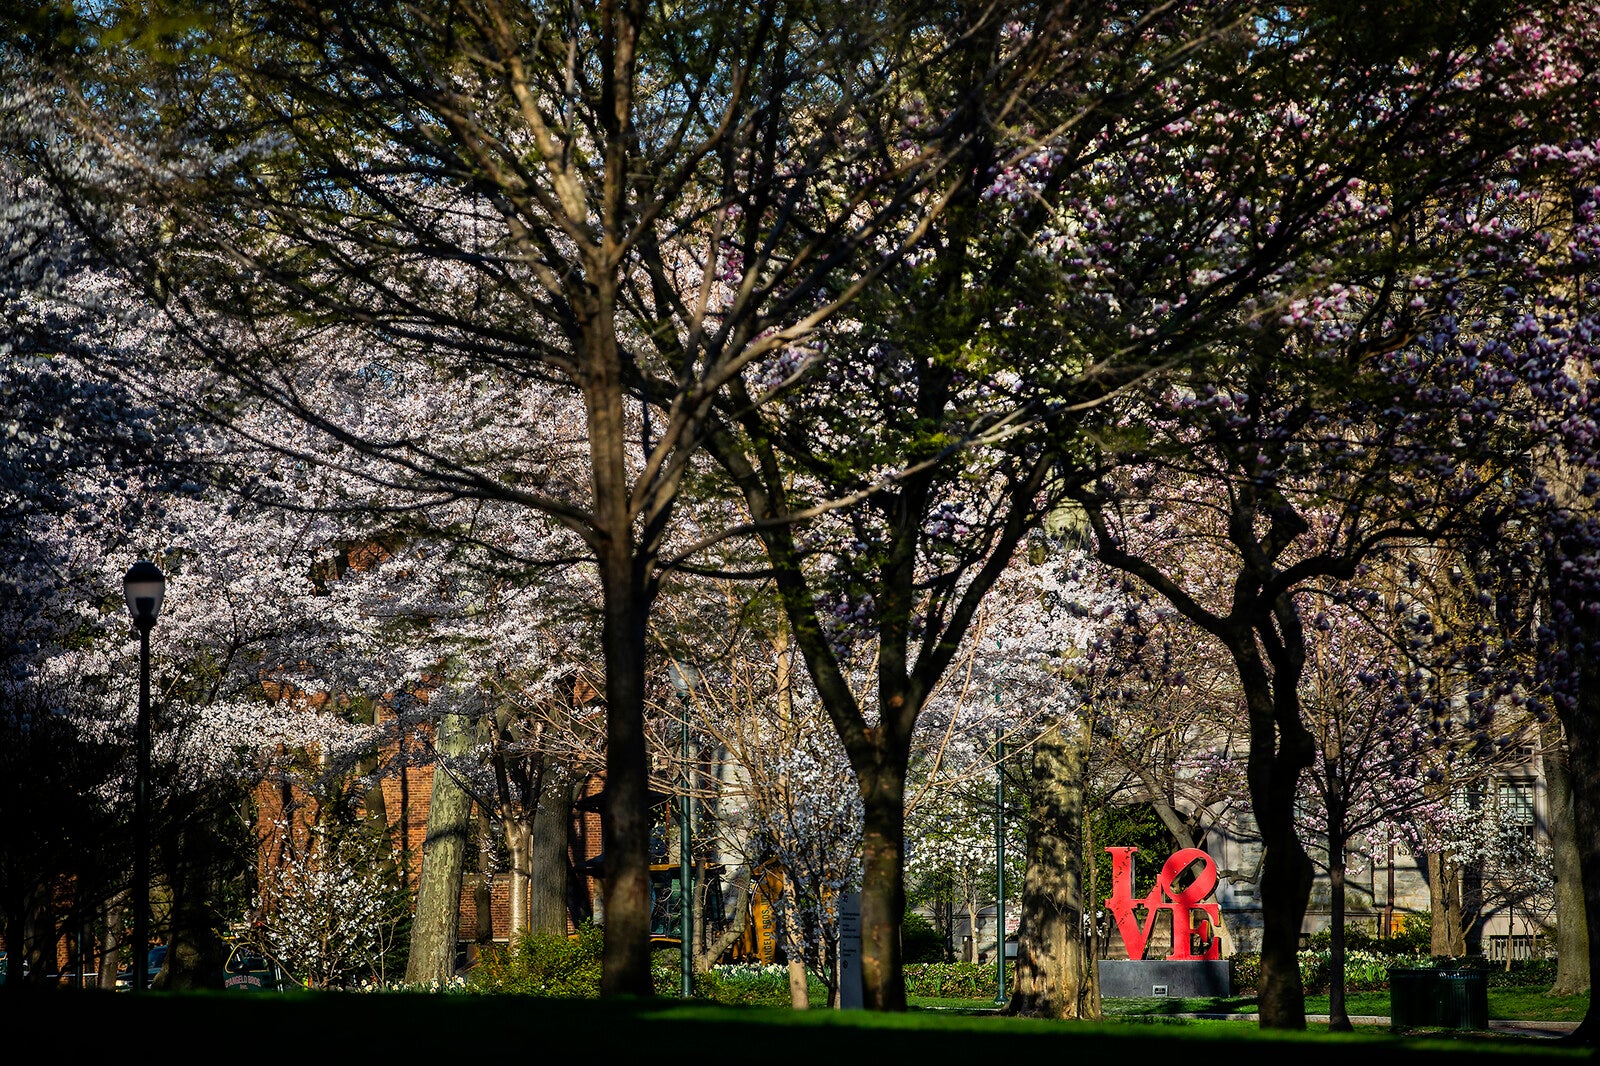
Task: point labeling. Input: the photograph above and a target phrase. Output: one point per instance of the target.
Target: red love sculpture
(1182, 903)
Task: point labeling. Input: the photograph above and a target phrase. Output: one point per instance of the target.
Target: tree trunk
(1580, 718)
(38, 943)
(625, 833)
(948, 924)
(547, 856)
(711, 948)
(1051, 974)
(799, 984)
(1338, 1017)
(519, 848)
(111, 944)
(482, 892)
(195, 954)
(625, 830)
(580, 892)
(1572, 930)
(198, 860)
(1280, 747)
(1511, 930)
(1444, 903)
(883, 897)
(794, 947)
(434, 931)
(1286, 877)
(410, 879)
(1472, 907)
(971, 952)
(794, 940)
(1095, 945)
(830, 971)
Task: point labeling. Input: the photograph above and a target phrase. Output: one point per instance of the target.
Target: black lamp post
(684, 678)
(143, 588)
(999, 865)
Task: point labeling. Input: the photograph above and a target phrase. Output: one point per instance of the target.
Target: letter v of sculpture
(1182, 902)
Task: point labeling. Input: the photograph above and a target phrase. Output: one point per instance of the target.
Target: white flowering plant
(333, 910)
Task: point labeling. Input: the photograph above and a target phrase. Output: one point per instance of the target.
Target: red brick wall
(499, 907)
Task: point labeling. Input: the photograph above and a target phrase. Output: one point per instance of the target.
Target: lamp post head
(143, 587)
(684, 677)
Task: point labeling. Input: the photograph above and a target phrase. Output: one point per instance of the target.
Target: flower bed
(953, 980)
(1368, 971)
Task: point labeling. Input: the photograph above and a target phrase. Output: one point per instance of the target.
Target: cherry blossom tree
(1350, 312)
(605, 201)
(330, 912)
(488, 260)
(1398, 716)
(1172, 231)
(253, 658)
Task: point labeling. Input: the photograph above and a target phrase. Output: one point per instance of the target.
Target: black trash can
(1462, 998)
(1411, 998)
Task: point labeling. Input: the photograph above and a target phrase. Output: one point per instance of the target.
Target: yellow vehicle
(758, 940)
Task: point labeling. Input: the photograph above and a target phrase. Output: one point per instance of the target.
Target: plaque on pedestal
(1192, 978)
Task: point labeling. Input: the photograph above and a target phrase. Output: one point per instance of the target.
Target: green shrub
(1364, 971)
(1524, 973)
(558, 967)
(1368, 970)
(744, 985)
(1413, 935)
(919, 940)
(542, 964)
(666, 979)
(954, 980)
(1356, 938)
(1246, 971)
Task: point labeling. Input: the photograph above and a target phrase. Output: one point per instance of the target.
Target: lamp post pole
(684, 676)
(1000, 869)
(143, 587)
(685, 873)
(141, 821)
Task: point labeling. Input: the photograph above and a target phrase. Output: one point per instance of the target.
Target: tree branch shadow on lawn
(1155, 1006)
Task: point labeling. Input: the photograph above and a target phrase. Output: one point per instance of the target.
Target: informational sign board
(850, 952)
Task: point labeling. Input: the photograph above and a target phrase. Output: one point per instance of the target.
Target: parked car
(154, 959)
(75, 979)
(251, 969)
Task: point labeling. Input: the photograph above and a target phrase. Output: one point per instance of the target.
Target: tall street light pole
(684, 678)
(143, 588)
(999, 867)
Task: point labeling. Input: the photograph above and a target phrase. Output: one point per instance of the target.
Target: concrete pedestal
(1127, 979)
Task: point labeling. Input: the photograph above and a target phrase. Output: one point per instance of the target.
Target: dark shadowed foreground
(408, 1027)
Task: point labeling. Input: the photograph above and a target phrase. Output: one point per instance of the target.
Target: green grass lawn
(1522, 1005)
(416, 1028)
(945, 1003)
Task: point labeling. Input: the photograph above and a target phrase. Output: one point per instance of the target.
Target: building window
(1515, 802)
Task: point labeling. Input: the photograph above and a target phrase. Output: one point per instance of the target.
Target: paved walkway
(1551, 1030)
